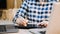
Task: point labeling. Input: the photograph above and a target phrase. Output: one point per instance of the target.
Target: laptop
(7, 26)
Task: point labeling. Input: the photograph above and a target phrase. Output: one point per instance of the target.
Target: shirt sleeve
(47, 17)
(21, 13)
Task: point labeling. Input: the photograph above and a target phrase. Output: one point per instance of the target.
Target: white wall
(54, 25)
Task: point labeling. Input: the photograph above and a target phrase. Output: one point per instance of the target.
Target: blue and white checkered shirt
(34, 11)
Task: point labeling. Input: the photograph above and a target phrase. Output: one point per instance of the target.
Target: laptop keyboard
(2, 28)
(7, 26)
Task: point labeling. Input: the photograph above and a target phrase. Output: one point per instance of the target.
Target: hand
(44, 24)
(21, 22)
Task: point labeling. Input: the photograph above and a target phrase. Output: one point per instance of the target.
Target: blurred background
(8, 8)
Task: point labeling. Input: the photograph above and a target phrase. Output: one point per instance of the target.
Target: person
(36, 13)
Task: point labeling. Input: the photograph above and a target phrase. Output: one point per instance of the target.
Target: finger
(24, 23)
(45, 25)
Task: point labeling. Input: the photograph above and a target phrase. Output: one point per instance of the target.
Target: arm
(21, 14)
(47, 16)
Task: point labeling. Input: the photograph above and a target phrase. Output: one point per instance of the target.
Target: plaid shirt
(34, 11)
